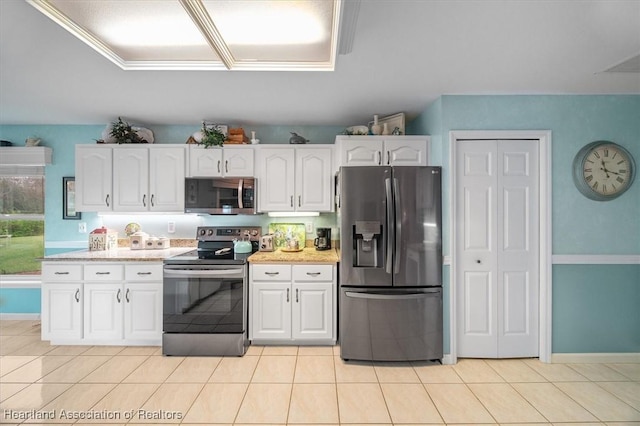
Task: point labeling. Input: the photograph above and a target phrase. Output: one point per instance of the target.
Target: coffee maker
(323, 241)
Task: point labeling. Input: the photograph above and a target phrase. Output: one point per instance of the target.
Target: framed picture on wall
(69, 199)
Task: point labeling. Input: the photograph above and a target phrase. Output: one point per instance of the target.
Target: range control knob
(210, 232)
(203, 232)
(254, 232)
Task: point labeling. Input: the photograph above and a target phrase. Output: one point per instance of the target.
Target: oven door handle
(230, 273)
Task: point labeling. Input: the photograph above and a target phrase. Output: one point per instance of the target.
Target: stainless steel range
(205, 294)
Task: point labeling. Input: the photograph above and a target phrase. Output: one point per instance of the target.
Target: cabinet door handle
(388, 158)
(292, 201)
(152, 202)
(271, 274)
(218, 166)
(61, 273)
(287, 295)
(299, 200)
(126, 296)
(379, 158)
(118, 296)
(313, 274)
(106, 200)
(144, 200)
(77, 295)
(144, 273)
(226, 166)
(297, 298)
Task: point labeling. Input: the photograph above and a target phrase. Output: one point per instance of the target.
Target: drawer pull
(126, 296)
(313, 274)
(271, 274)
(61, 273)
(144, 273)
(77, 295)
(103, 273)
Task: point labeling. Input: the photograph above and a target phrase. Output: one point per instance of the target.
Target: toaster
(266, 243)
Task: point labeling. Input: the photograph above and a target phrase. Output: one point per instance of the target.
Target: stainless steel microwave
(220, 195)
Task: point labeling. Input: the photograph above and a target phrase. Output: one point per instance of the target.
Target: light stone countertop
(123, 254)
(307, 255)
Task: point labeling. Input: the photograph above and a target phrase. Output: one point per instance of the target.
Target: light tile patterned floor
(291, 385)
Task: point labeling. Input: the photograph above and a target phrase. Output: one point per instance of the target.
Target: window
(21, 220)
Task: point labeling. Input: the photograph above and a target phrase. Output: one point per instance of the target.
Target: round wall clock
(603, 170)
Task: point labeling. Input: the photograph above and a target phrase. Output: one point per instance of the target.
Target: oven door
(205, 299)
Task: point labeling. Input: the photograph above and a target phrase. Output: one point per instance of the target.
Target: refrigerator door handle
(398, 225)
(390, 227)
(390, 296)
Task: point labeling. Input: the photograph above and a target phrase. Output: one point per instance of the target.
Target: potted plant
(211, 136)
(122, 132)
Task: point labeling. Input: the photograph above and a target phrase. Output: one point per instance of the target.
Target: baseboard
(19, 317)
(586, 358)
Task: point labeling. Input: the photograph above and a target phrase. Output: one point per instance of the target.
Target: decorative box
(101, 239)
(138, 240)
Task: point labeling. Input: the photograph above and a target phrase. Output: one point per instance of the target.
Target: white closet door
(497, 248)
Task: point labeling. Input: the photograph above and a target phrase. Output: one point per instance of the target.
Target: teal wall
(580, 226)
(19, 300)
(589, 315)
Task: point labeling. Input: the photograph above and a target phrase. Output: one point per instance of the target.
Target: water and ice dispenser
(367, 244)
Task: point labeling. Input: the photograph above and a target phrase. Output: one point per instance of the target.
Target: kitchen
(580, 324)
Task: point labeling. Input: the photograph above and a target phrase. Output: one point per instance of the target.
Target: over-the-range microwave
(217, 195)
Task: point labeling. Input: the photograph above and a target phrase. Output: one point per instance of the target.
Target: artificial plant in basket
(122, 132)
(211, 136)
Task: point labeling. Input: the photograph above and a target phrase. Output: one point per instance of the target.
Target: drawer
(103, 272)
(143, 272)
(312, 272)
(61, 272)
(271, 272)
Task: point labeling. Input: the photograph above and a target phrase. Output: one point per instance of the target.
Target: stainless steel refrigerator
(390, 263)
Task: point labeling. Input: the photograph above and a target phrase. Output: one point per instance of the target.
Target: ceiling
(404, 55)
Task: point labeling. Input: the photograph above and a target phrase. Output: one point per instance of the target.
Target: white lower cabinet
(102, 303)
(292, 304)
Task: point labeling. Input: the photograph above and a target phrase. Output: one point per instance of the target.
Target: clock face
(603, 170)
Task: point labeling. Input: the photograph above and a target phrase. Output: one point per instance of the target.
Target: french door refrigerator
(391, 263)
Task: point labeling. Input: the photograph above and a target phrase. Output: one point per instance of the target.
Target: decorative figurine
(297, 139)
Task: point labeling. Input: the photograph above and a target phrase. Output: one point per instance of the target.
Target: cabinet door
(61, 311)
(405, 152)
(314, 187)
(312, 312)
(166, 179)
(361, 152)
(103, 311)
(131, 179)
(205, 162)
(238, 162)
(143, 311)
(93, 178)
(276, 179)
(270, 311)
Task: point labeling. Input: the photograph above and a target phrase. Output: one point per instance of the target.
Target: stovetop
(215, 246)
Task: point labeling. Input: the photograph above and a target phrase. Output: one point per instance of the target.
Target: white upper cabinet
(94, 178)
(295, 179)
(314, 179)
(232, 161)
(166, 178)
(383, 150)
(148, 178)
(130, 178)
